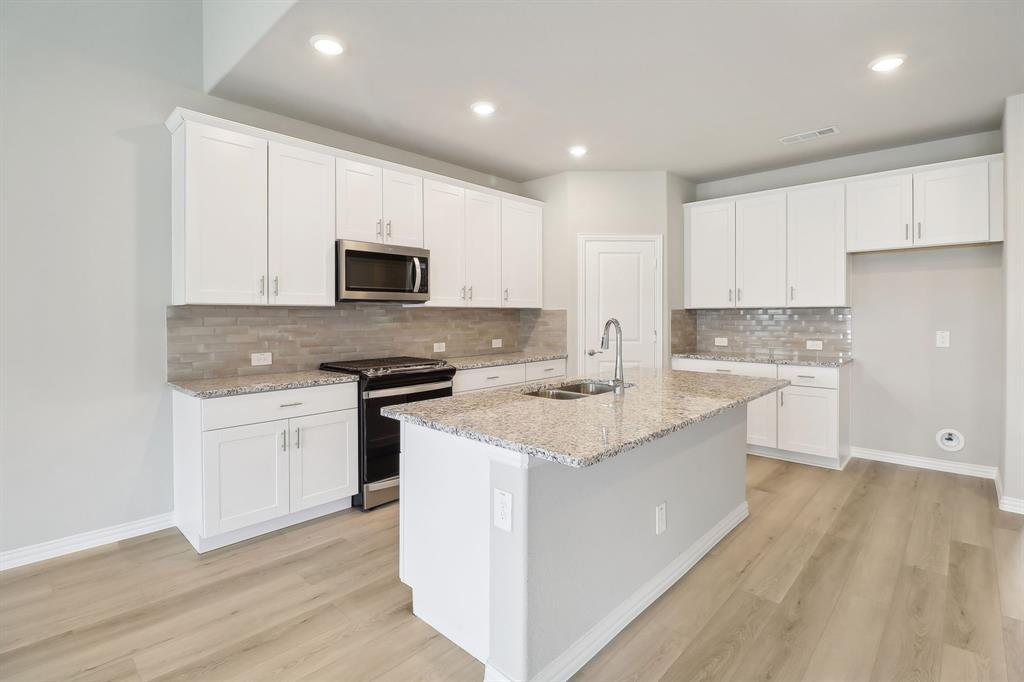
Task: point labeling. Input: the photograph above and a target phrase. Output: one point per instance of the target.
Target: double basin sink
(574, 391)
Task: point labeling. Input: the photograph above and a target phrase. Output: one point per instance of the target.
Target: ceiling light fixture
(889, 62)
(482, 108)
(326, 44)
(578, 150)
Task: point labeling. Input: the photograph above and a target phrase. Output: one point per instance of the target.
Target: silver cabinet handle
(730, 295)
(739, 294)
(804, 376)
(289, 404)
(380, 228)
(782, 398)
(471, 293)
(284, 440)
(550, 369)
(906, 232)
(463, 293)
(918, 229)
(389, 228)
(506, 294)
(263, 284)
(297, 441)
(593, 352)
(792, 292)
(494, 377)
(724, 371)
(277, 285)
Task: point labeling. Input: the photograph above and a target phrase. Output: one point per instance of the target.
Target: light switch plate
(503, 510)
(813, 344)
(660, 520)
(495, 343)
(721, 340)
(258, 359)
(439, 347)
(942, 339)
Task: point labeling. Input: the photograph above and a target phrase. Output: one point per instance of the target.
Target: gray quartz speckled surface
(806, 360)
(582, 432)
(259, 383)
(496, 359)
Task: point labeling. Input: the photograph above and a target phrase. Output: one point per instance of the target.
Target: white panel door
(816, 245)
(245, 475)
(808, 420)
(301, 226)
(879, 212)
(324, 458)
(709, 254)
(521, 264)
(761, 251)
(403, 208)
(621, 280)
(360, 201)
(444, 223)
(951, 205)
(483, 249)
(225, 216)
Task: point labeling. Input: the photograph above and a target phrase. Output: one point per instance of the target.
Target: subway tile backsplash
(216, 341)
(764, 330)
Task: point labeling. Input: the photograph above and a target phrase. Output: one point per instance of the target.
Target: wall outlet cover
(258, 359)
(439, 347)
(503, 510)
(942, 339)
(721, 340)
(814, 344)
(495, 343)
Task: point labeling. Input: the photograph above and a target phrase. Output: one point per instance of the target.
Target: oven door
(381, 272)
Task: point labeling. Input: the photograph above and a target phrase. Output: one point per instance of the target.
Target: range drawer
(253, 408)
(545, 369)
(743, 369)
(488, 377)
(818, 377)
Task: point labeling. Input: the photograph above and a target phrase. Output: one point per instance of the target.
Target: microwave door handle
(419, 274)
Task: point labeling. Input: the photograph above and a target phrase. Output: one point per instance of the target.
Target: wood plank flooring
(878, 572)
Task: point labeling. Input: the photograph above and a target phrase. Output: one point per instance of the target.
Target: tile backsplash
(764, 330)
(216, 341)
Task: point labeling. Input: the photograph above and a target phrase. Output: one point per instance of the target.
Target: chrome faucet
(619, 381)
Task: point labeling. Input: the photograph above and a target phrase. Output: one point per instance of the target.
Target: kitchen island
(532, 530)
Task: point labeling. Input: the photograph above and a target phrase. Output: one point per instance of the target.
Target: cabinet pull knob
(297, 441)
(284, 440)
(290, 404)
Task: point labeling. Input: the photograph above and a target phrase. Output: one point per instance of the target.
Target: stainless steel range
(382, 382)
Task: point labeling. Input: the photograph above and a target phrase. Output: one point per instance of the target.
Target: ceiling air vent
(809, 135)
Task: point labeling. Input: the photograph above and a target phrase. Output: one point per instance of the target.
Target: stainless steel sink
(556, 394)
(589, 388)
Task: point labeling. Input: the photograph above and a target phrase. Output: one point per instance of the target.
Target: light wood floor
(877, 572)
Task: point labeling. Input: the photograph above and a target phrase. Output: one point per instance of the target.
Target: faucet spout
(619, 380)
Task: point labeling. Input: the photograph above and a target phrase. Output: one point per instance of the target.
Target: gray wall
(85, 201)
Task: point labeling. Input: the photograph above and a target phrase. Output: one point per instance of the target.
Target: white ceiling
(703, 89)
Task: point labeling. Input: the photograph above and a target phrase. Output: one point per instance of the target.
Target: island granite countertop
(259, 383)
(811, 359)
(497, 359)
(583, 432)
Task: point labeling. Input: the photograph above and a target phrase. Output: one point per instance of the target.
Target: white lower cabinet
(807, 420)
(484, 378)
(324, 451)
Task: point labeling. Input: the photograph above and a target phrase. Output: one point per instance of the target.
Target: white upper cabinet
(300, 226)
(761, 251)
(403, 208)
(219, 216)
(951, 205)
(444, 222)
(879, 213)
(360, 196)
(521, 244)
(483, 249)
(709, 252)
(816, 263)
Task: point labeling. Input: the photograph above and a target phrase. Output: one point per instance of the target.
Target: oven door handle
(406, 390)
(419, 275)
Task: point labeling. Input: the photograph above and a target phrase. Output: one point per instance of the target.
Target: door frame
(581, 295)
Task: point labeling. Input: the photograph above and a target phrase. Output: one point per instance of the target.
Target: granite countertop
(259, 383)
(496, 359)
(583, 432)
(811, 359)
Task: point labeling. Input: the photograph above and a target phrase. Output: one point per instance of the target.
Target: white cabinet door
(301, 226)
(403, 208)
(761, 251)
(444, 220)
(521, 243)
(951, 205)
(225, 216)
(360, 201)
(816, 245)
(709, 252)
(879, 212)
(245, 475)
(324, 458)
(808, 420)
(762, 422)
(483, 249)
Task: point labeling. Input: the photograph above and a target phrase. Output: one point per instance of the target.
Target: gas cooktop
(379, 366)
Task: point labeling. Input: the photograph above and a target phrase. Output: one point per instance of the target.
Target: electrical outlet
(503, 510)
(258, 359)
(721, 341)
(942, 339)
(439, 347)
(495, 343)
(813, 344)
(659, 519)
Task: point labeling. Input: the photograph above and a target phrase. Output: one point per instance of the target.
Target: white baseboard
(797, 457)
(586, 647)
(1014, 505)
(76, 543)
(962, 468)
(201, 544)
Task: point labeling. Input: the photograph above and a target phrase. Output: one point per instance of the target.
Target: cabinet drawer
(536, 371)
(819, 377)
(253, 408)
(743, 369)
(488, 377)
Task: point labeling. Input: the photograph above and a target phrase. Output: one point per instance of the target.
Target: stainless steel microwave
(382, 272)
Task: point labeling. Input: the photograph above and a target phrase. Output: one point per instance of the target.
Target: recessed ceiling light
(482, 108)
(889, 62)
(326, 44)
(578, 150)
